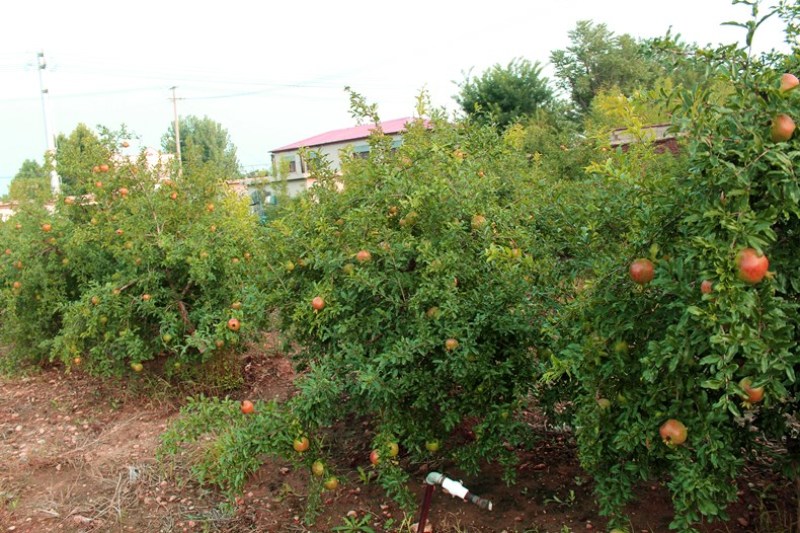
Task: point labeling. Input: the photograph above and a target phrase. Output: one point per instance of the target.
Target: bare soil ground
(78, 454)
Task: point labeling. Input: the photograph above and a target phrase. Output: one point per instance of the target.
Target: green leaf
(713, 384)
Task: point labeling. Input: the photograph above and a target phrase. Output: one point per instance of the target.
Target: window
(288, 164)
(313, 159)
(361, 152)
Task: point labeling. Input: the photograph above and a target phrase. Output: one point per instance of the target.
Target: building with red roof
(287, 161)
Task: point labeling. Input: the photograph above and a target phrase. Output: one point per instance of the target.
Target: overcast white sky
(273, 72)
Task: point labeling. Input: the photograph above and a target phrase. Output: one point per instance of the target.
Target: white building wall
(6, 211)
(297, 180)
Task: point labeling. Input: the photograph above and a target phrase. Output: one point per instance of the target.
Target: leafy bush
(35, 283)
(240, 444)
(141, 267)
(221, 445)
(421, 289)
(667, 350)
(431, 291)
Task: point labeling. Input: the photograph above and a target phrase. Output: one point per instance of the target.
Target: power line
(191, 76)
(113, 92)
(200, 74)
(242, 94)
(16, 68)
(87, 94)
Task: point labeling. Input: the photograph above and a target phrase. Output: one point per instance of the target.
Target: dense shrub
(432, 290)
(642, 355)
(35, 284)
(141, 267)
(421, 291)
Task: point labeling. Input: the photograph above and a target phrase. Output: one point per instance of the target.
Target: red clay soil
(78, 454)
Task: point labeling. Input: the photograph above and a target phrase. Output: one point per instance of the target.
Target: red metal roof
(348, 134)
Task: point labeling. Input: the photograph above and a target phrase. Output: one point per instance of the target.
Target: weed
(355, 525)
(364, 475)
(8, 500)
(568, 501)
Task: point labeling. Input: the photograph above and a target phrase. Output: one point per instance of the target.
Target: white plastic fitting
(456, 489)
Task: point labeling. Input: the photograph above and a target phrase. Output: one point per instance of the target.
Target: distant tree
(597, 59)
(258, 173)
(31, 182)
(676, 60)
(204, 142)
(503, 95)
(556, 144)
(76, 154)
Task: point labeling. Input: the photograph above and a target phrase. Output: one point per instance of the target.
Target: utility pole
(177, 129)
(49, 133)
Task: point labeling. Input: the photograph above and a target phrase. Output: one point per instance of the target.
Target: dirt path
(73, 450)
(78, 454)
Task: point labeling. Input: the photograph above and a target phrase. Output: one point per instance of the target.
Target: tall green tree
(31, 182)
(598, 59)
(204, 142)
(76, 154)
(503, 95)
